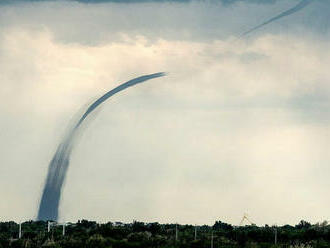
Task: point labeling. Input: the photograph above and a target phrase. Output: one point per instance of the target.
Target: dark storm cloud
(95, 23)
(226, 2)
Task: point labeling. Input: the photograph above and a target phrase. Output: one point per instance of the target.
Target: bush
(96, 241)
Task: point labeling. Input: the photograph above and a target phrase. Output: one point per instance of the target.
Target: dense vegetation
(89, 234)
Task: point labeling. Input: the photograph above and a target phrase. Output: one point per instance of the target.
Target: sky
(239, 125)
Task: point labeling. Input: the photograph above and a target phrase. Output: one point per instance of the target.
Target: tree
(50, 244)
(218, 225)
(96, 241)
(303, 225)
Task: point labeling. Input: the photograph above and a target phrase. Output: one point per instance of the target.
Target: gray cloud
(195, 20)
(143, 1)
(233, 118)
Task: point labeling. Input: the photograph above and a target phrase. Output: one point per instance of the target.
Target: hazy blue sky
(238, 125)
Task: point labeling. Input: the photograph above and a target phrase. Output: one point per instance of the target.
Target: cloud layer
(236, 126)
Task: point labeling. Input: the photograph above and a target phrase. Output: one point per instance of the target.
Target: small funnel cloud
(291, 11)
(49, 204)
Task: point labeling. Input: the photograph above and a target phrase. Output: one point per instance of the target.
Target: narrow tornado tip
(301, 5)
(160, 74)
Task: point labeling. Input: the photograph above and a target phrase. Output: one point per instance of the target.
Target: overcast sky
(238, 126)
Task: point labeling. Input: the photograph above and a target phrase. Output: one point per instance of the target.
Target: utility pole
(195, 232)
(176, 232)
(48, 227)
(20, 230)
(63, 231)
(275, 238)
(212, 240)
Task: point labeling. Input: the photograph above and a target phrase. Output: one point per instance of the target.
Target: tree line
(90, 234)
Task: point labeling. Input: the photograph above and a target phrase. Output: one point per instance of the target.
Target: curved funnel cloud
(48, 208)
(291, 11)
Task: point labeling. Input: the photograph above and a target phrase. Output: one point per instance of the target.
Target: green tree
(50, 244)
(96, 241)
